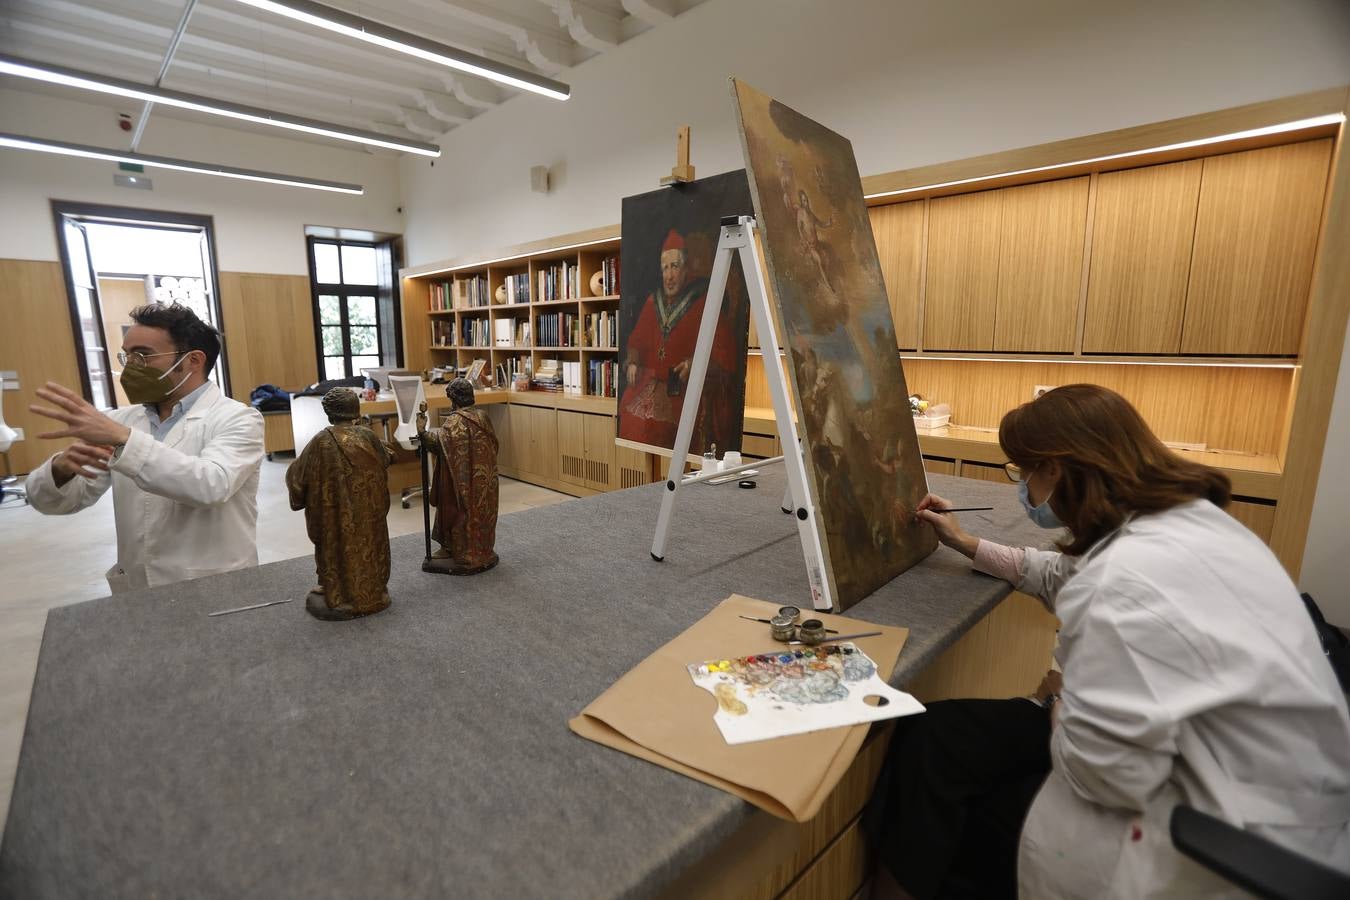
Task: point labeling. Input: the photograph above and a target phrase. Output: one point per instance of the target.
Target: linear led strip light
(105, 84)
(20, 142)
(487, 262)
(1329, 119)
(362, 29)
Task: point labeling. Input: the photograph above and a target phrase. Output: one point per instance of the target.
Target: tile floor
(48, 561)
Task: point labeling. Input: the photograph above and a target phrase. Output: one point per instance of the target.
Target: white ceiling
(232, 51)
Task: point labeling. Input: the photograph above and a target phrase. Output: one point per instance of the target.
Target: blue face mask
(1042, 515)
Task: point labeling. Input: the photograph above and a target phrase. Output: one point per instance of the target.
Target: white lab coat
(1192, 674)
(185, 508)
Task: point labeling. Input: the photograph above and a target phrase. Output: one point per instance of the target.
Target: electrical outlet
(1041, 389)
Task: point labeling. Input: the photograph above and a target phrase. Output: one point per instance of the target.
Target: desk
(270, 754)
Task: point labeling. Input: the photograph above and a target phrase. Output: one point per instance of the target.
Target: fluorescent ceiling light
(105, 84)
(1329, 119)
(19, 142)
(400, 41)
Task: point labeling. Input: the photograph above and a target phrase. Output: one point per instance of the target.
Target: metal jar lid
(791, 612)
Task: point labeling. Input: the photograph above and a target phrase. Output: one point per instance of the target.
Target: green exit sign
(130, 167)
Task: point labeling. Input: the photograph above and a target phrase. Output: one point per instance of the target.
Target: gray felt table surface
(423, 751)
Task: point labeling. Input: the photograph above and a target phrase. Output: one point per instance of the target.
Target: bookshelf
(520, 311)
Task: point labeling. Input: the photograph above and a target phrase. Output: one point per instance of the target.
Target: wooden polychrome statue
(464, 487)
(341, 481)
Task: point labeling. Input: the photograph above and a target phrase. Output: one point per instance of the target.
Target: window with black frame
(350, 324)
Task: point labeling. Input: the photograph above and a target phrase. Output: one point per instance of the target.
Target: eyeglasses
(139, 358)
(1014, 472)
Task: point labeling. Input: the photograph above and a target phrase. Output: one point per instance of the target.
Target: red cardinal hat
(674, 241)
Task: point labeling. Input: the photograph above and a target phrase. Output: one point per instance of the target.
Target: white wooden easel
(738, 236)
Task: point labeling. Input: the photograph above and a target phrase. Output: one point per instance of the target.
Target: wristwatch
(1049, 702)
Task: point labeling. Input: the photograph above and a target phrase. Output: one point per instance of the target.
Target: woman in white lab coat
(1191, 671)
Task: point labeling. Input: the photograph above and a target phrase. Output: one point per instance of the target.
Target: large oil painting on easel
(669, 240)
(865, 473)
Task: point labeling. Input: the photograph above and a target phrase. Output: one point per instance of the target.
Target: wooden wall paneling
(961, 290)
(415, 298)
(599, 451)
(572, 447)
(117, 298)
(757, 384)
(1006, 654)
(1225, 408)
(268, 324)
(1255, 236)
(1143, 229)
(898, 229)
(36, 342)
(1259, 517)
(1040, 268)
(1080, 319)
(1321, 354)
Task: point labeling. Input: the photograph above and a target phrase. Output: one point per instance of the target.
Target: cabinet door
(633, 468)
(599, 452)
(898, 229)
(572, 447)
(499, 414)
(961, 293)
(1040, 266)
(1143, 227)
(519, 432)
(1255, 235)
(544, 442)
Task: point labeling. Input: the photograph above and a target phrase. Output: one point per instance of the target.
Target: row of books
(604, 381)
(511, 332)
(510, 368)
(560, 281)
(462, 293)
(518, 288)
(609, 269)
(560, 329)
(549, 377)
(602, 330)
(474, 333)
(442, 333)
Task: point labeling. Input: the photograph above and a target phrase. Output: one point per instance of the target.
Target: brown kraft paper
(656, 712)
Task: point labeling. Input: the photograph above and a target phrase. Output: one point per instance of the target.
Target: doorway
(117, 258)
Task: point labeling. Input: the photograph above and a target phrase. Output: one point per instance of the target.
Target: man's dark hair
(185, 330)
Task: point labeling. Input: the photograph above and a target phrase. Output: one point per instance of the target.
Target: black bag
(270, 398)
(1334, 643)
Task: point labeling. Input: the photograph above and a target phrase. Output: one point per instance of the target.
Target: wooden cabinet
(598, 432)
(634, 468)
(1142, 231)
(1259, 516)
(1255, 236)
(961, 292)
(983, 471)
(898, 230)
(499, 416)
(572, 447)
(939, 465)
(1040, 266)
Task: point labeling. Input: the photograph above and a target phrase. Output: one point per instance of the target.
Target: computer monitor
(382, 373)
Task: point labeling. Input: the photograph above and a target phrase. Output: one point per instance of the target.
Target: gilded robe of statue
(464, 490)
(341, 481)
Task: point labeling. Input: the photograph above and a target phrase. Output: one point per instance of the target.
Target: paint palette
(798, 690)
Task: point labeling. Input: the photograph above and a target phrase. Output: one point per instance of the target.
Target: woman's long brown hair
(1112, 464)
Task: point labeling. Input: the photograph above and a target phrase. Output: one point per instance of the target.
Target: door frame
(133, 217)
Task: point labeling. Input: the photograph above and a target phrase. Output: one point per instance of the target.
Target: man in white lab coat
(182, 460)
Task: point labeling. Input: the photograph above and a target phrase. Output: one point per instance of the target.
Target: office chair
(1253, 863)
(409, 395)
